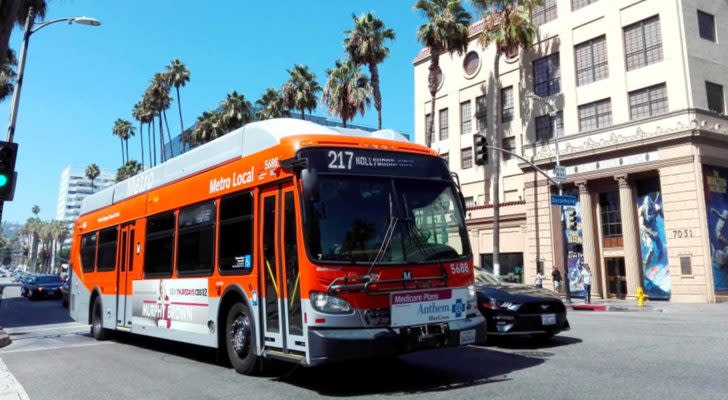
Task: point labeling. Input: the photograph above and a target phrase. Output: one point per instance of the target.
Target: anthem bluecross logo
(458, 308)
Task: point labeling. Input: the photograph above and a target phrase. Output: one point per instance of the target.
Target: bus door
(125, 265)
(281, 299)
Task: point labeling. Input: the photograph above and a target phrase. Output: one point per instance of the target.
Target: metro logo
(220, 184)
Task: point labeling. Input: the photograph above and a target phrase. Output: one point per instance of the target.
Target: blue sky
(79, 79)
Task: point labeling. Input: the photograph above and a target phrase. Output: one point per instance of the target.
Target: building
(75, 187)
(637, 88)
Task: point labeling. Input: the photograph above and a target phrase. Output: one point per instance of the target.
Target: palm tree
(446, 31)
(92, 172)
(159, 100)
(209, 126)
(507, 25)
(8, 75)
(347, 91)
(270, 105)
(177, 76)
(138, 113)
(299, 93)
(35, 210)
(39, 10)
(127, 131)
(58, 232)
(129, 169)
(365, 46)
(117, 130)
(236, 111)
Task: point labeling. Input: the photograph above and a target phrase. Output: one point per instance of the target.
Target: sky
(80, 79)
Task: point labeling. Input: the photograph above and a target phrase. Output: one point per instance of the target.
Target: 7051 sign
(682, 233)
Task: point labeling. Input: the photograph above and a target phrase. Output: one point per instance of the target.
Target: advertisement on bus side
(179, 304)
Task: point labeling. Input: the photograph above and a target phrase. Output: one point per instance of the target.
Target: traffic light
(571, 219)
(8, 153)
(480, 147)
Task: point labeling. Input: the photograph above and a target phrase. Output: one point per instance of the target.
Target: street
(679, 353)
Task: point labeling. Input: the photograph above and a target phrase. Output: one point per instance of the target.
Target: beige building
(638, 86)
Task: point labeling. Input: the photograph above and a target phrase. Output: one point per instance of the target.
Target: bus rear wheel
(97, 326)
(240, 340)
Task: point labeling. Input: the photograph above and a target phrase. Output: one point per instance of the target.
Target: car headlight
(325, 303)
(508, 305)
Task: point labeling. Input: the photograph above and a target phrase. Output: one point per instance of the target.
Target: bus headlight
(325, 303)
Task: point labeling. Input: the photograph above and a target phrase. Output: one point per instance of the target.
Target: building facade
(74, 187)
(634, 92)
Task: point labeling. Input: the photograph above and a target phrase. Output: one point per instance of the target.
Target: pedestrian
(539, 279)
(586, 277)
(556, 276)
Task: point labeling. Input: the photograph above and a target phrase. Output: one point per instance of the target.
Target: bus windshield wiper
(388, 235)
(415, 233)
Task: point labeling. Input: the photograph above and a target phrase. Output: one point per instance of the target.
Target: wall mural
(655, 268)
(574, 249)
(716, 202)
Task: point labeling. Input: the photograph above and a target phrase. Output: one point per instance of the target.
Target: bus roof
(242, 142)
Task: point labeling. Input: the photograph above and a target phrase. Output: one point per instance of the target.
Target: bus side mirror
(310, 184)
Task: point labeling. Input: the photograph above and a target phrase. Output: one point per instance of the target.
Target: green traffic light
(3, 180)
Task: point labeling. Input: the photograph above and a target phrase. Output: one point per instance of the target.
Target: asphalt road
(678, 354)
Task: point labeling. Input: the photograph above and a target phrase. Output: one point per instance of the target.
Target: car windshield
(48, 279)
(399, 220)
(485, 277)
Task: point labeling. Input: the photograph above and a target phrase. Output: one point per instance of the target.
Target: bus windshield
(395, 220)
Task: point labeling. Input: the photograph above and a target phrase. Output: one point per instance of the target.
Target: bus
(285, 240)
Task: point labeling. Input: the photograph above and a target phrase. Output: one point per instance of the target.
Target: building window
(465, 118)
(507, 104)
(610, 213)
(466, 160)
(429, 129)
(469, 202)
(159, 247)
(235, 249)
(595, 115)
(544, 13)
(547, 126)
(443, 124)
(648, 102)
(577, 4)
(643, 43)
(106, 255)
(481, 113)
(591, 61)
(509, 144)
(547, 76)
(196, 239)
(715, 97)
(706, 23)
(88, 252)
(471, 63)
(446, 157)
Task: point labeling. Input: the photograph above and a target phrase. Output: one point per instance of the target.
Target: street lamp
(29, 30)
(553, 112)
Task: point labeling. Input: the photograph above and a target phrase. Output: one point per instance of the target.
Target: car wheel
(97, 326)
(240, 340)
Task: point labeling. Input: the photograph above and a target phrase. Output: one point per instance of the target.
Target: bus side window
(235, 249)
(106, 257)
(196, 239)
(88, 252)
(159, 245)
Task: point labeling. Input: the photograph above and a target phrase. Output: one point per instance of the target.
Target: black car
(44, 286)
(24, 282)
(516, 309)
(66, 292)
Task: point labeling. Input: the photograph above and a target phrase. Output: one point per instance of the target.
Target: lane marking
(9, 385)
(44, 348)
(41, 328)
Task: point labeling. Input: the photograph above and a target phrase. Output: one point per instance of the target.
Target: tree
(116, 130)
(209, 126)
(16, 11)
(129, 169)
(508, 26)
(177, 76)
(138, 113)
(158, 100)
(365, 46)
(446, 31)
(299, 93)
(126, 131)
(270, 105)
(92, 172)
(8, 76)
(58, 231)
(235, 111)
(35, 210)
(347, 91)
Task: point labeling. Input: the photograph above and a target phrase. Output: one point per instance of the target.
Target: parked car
(517, 309)
(66, 292)
(44, 286)
(24, 282)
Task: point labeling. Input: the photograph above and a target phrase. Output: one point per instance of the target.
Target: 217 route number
(340, 159)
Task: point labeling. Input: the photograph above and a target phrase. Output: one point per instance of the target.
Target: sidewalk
(577, 304)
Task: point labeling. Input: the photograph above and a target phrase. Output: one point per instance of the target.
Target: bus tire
(97, 325)
(240, 340)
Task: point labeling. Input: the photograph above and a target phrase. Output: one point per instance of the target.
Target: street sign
(559, 173)
(564, 200)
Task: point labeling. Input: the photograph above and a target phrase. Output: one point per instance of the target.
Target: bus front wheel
(240, 340)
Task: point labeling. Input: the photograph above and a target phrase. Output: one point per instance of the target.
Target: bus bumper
(337, 345)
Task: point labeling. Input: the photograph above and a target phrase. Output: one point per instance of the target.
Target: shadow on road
(430, 371)
(532, 344)
(18, 312)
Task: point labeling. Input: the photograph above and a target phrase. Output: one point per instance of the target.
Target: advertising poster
(179, 304)
(716, 205)
(574, 249)
(655, 269)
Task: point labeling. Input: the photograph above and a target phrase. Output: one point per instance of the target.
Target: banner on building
(716, 204)
(655, 268)
(574, 250)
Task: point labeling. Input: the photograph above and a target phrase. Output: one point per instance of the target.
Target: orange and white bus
(283, 239)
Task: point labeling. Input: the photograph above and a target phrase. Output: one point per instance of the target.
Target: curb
(603, 307)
